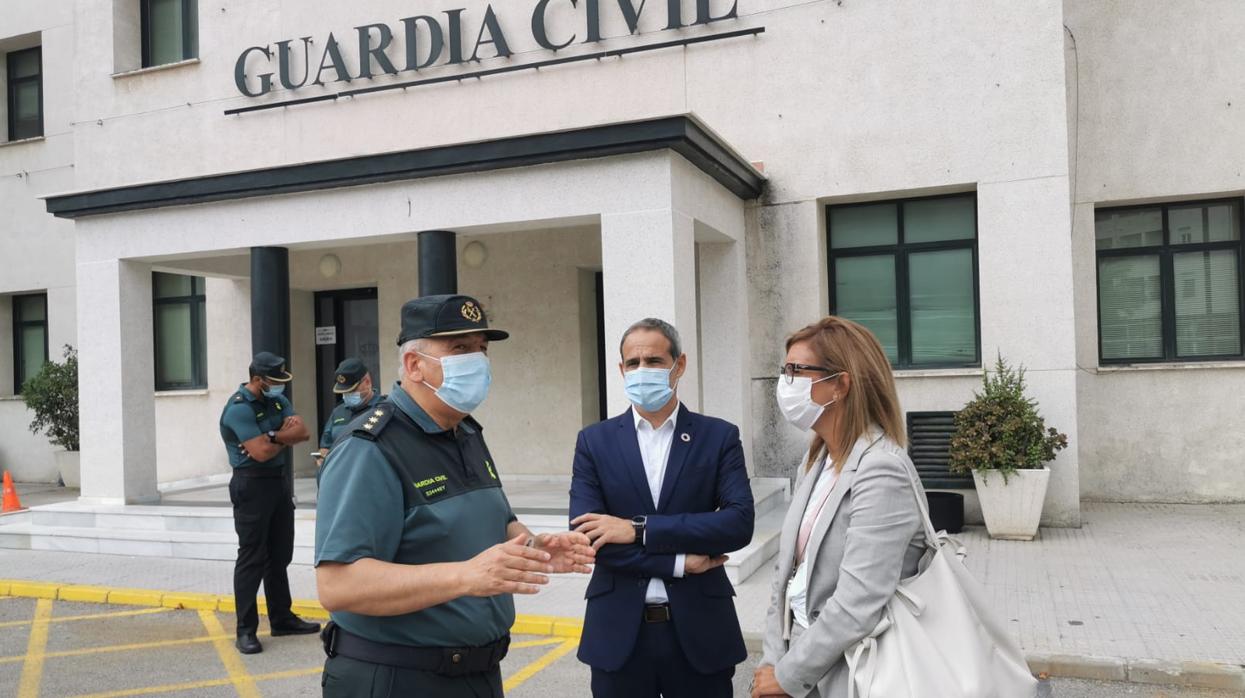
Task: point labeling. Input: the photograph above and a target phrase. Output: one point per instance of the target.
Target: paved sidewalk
(1155, 581)
(1137, 582)
(33, 494)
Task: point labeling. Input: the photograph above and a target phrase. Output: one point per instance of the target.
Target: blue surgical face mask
(465, 380)
(274, 390)
(648, 388)
(353, 399)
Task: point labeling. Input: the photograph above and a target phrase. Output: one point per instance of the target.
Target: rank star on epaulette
(379, 413)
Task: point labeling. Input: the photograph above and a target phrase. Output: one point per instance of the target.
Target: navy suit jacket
(705, 508)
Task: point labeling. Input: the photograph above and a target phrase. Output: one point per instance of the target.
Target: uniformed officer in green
(258, 426)
(417, 549)
(353, 382)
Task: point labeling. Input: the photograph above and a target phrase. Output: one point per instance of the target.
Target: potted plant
(52, 394)
(1002, 440)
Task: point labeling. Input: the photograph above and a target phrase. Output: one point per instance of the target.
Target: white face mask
(795, 399)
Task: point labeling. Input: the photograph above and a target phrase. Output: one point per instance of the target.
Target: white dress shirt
(655, 452)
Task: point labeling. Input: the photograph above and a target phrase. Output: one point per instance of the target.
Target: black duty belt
(656, 612)
(260, 471)
(446, 661)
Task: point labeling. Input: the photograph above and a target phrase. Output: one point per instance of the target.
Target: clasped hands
(603, 529)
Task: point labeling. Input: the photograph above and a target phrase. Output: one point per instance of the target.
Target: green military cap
(349, 374)
(269, 366)
(445, 316)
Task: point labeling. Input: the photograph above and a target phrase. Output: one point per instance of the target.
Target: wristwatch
(272, 436)
(638, 523)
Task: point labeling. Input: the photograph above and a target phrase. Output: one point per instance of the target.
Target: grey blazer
(868, 538)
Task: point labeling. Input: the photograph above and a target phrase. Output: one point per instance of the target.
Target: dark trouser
(350, 678)
(263, 516)
(657, 667)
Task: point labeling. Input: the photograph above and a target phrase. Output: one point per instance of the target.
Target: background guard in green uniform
(258, 425)
(353, 382)
(417, 549)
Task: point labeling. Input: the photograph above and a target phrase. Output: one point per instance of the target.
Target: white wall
(1157, 96)
(37, 250)
(899, 99)
(529, 285)
(188, 443)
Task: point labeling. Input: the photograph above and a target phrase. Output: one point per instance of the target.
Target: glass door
(346, 325)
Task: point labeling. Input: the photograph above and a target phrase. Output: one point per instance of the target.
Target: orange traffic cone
(11, 502)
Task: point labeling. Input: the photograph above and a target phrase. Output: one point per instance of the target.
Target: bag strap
(931, 536)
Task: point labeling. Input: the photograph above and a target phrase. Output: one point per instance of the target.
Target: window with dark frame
(30, 337)
(24, 88)
(170, 31)
(1169, 282)
(907, 270)
(180, 331)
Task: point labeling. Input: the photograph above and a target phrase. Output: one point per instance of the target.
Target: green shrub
(52, 394)
(1000, 428)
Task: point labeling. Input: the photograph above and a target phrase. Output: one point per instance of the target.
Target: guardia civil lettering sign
(438, 40)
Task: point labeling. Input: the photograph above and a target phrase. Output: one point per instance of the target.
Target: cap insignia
(472, 312)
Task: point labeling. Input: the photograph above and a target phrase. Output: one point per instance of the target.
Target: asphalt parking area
(93, 650)
(58, 648)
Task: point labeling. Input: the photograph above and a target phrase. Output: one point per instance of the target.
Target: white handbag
(938, 637)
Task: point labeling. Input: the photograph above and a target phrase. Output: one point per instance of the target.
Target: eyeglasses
(789, 371)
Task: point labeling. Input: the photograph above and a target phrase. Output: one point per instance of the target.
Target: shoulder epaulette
(370, 427)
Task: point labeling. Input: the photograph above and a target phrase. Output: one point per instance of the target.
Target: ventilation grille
(929, 438)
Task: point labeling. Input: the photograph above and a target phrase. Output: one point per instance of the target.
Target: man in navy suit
(663, 494)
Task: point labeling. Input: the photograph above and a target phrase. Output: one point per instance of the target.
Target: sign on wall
(326, 335)
(436, 40)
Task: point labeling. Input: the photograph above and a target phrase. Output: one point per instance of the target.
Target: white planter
(1012, 511)
(69, 464)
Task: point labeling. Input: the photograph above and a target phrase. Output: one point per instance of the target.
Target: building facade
(1055, 182)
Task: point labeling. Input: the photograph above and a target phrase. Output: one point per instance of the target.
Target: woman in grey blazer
(854, 528)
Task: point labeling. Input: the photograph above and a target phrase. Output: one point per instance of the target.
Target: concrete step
(207, 532)
(756, 555)
(197, 545)
(191, 519)
(770, 493)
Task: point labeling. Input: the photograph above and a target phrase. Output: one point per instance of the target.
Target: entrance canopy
(666, 197)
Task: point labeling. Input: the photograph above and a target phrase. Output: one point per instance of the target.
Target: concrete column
(648, 259)
(270, 301)
(115, 386)
(724, 336)
(438, 263)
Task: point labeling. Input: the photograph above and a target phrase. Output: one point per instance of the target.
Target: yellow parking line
(192, 685)
(92, 616)
(124, 648)
(537, 643)
(241, 679)
(537, 666)
(32, 668)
